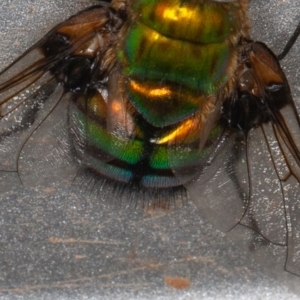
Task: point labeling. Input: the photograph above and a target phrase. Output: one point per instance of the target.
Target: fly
(158, 95)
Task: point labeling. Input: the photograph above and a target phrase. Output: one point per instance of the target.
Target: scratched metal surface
(61, 244)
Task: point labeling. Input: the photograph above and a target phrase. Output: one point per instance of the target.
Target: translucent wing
(254, 179)
(284, 143)
(37, 89)
(221, 189)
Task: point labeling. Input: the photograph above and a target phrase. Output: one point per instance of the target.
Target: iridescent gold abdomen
(173, 61)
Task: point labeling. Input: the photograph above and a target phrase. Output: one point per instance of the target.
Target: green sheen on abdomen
(157, 118)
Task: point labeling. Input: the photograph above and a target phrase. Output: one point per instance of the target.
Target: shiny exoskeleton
(149, 113)
(163, 93)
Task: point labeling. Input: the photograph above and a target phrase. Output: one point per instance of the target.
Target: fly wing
(284, 136)
(221, 191)
(265, 209)
(274, 169)
(36, 90)
(256, 174)
(277, 214)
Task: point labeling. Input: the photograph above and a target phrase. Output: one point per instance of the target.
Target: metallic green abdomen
(159, 114)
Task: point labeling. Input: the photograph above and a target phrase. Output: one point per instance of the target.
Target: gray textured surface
(60, 244)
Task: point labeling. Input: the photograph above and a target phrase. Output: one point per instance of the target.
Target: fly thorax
(175, 54)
